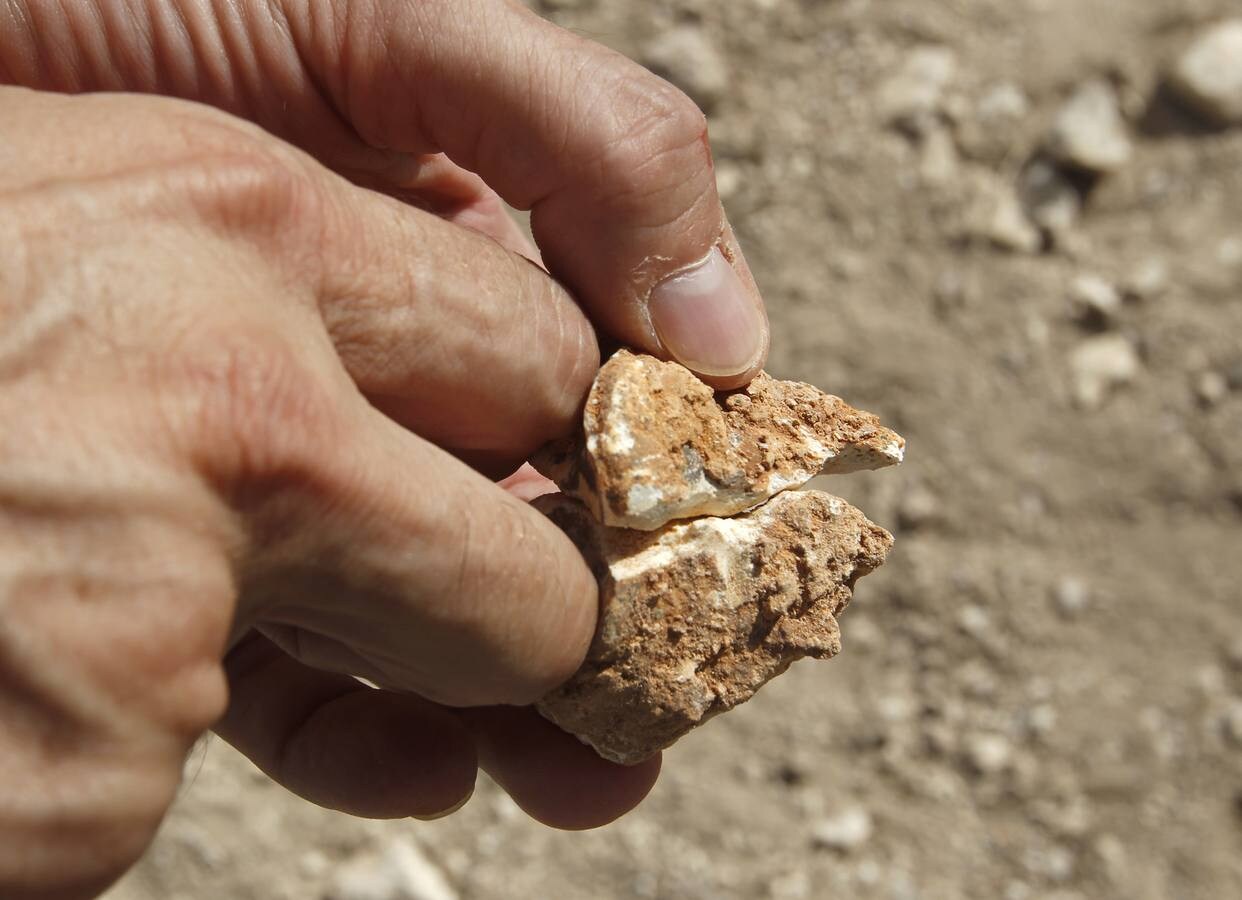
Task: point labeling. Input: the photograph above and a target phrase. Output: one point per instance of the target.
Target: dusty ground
(1035, 694)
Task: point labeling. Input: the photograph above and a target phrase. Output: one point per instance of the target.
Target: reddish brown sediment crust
(695, 617)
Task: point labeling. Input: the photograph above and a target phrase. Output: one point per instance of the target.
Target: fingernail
(707, 319)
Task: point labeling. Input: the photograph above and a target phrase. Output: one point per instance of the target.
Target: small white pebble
(1209, 74)
(988, 754)
(1094, 298)
(974, 620)
(847, 830)
(1041, 719)
(1150, 280)
(1211, 388)
(1072, 596)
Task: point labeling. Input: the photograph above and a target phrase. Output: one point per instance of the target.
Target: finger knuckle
(256, 190)
(256, 404)
(232, 176)
(658, 141)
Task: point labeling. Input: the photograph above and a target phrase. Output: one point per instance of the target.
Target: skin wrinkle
(530, 182)
(130, 33)
(354, 655)
(322, 651)
(241, 48)
(124, 34)
(518, 58)
(87, 64)
(284, 49)
(208, 52)
(379, 664)
(14, 18)
(171, 39)
(51, 58)
(649, 170)
(353, 95)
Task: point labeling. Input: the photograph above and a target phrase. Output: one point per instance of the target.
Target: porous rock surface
(657, 444)
(696, 616)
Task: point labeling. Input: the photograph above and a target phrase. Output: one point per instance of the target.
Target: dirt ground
(1040, 696)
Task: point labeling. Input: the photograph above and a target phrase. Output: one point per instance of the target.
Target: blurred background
(1013, 228)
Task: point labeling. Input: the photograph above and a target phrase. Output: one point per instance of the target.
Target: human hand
(199, 324)
(201, 444)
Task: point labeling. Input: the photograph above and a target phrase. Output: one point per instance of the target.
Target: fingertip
(342, 745)
(555, 778)
(381, 755)
(560, 646)
(528, 610)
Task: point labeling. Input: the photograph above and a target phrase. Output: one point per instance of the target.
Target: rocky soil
(1013, 229)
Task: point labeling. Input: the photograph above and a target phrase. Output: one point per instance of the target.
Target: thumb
(612, 161)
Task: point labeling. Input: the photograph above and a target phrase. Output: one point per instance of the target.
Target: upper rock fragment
(658, 444)
(696, 617)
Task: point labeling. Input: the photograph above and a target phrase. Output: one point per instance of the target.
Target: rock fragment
(1208, 76)
(1096, 301)
(911, 97)
(686, 57)
(845, 831)
(1089, 132)
(1149, 279)
(1072, 596)
(657, 444)
(697, 616)
(993, 214)
(1003, 103)
(987, 754)
(1211, 388)
(1101, 364)
(1049, 197)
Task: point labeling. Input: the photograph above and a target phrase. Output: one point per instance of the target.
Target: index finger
(612, 161)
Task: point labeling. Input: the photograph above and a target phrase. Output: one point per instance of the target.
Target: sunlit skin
(257, 379)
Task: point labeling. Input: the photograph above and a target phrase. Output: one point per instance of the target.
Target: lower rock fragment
(696, 616)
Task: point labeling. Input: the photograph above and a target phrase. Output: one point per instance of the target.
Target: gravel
(1208, 76)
